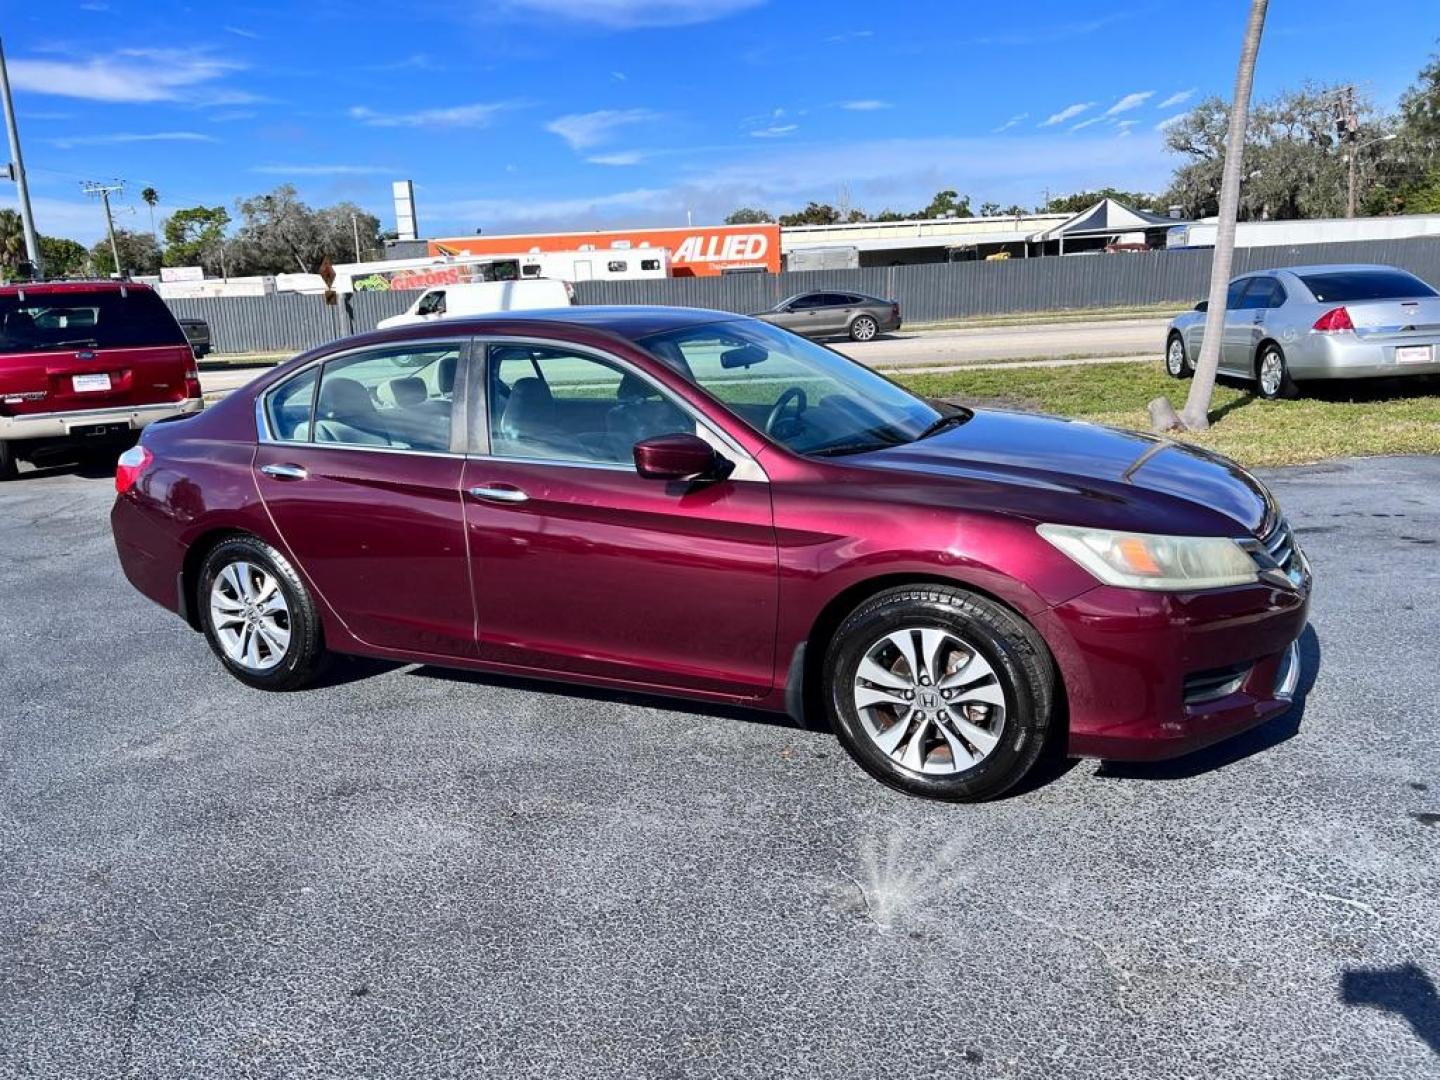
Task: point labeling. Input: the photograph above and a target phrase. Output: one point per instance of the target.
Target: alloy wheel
(1272, 373)
(1175, 358)
(864, 328)
(250, 615)
(929, 701)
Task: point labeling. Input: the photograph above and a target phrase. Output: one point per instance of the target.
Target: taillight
(132, 463)
(1334, 321)
(192, 382)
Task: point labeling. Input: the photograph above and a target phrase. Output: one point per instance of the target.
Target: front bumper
(66, 425)
(1129, 660)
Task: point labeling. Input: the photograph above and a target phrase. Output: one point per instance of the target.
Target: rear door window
(1342, 286)
(1262, 293)
(102, 319)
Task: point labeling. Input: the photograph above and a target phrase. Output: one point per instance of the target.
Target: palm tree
(150, 197)
(1196, 414)
(12, 242)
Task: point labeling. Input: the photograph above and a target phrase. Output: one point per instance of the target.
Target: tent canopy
(1106, 218)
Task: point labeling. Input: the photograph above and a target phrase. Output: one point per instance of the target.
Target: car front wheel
(259, 617)
(940, 692)
(863, 328)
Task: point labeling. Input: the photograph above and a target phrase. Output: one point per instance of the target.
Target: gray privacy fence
(927, 292)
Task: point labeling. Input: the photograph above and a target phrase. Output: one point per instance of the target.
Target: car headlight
(1162, 563)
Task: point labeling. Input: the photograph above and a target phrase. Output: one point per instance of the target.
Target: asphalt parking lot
(411, 873)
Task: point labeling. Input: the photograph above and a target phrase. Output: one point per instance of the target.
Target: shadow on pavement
(1405, 990)
(1255, 741)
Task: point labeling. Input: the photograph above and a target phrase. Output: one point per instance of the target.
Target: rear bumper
(64, 425)
(1125, 657)
(1347, 356)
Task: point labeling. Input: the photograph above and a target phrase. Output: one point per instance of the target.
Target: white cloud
(1067, 113)
(866, 105)
(68, 141)
(1169, 121)
(1083, 124)
(1177, 98)
(324, 170)
(480, 114)
(584, 130)
(129, 75)
(630, 14)
(1130, 101)
(77, 220)
(850, 35)
(241, 32)
(1012, 122)
(622, 157)
(487, 211)
(774, 131)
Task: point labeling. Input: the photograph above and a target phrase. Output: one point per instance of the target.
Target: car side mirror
(1203, 305)
(676, 457)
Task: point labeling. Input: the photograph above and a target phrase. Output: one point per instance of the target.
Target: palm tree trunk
(1196, 414)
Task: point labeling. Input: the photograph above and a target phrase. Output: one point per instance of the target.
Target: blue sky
(520, 114)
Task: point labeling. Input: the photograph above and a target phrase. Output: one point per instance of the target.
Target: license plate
(98, 431)
(89, 384)
(1412, 354)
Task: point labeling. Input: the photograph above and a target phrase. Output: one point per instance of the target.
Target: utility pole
(104, 191)
(16, 169)
(355, 228)
(1347, 126)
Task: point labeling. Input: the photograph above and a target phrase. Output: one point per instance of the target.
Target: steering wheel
(794, 395)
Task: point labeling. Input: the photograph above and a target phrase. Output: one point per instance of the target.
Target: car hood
(1073, 472)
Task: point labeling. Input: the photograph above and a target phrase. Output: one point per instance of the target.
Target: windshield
(802, 395)
(1341, 286)
(103, 319)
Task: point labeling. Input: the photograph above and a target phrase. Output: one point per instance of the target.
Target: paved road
(415, 874)
(935, 348)
(1041, 341)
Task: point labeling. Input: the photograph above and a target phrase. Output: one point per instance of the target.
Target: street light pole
(17, 169)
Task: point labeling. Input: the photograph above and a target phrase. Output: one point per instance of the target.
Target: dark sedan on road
(698, 504)
(835, 314)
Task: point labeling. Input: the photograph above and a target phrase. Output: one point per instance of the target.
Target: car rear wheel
(1272, 375)
(863, 328)
(1177, 364)
(940, 692)
(259, 617)
(9, 466)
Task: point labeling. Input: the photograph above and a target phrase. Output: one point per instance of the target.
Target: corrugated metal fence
(927, 293)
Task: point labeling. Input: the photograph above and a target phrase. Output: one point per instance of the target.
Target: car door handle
(285, 472)
(498, 493)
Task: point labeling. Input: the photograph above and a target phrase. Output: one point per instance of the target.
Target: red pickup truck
(86, 363)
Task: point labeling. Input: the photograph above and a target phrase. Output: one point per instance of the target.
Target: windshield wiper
(840, 449)
(955, 419)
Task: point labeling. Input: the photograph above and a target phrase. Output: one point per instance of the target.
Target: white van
(482, 298)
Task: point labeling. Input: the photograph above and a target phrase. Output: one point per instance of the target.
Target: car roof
(626, 321)
(44, 288)
(1334, 268)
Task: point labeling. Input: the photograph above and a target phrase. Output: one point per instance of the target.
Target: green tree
(1295, 163)
(279, 233)
(149, 196)
(947, 203)
(139, 253)
(813, 214)
(12, 243)
(1407, 172)
(1083, 200)
(193, 237)
(748, 215)
(63, 257)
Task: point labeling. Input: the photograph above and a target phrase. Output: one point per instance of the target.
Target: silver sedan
(1284, 327)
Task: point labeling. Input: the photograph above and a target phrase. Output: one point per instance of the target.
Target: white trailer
(1318, 231)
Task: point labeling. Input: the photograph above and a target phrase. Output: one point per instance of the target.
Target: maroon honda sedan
(700, 504)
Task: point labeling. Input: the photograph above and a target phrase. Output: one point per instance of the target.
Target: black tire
(304, 658)
(9, 464)
(1177, 358)
(863, 328)
(1019, 660)
(1278, 390)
